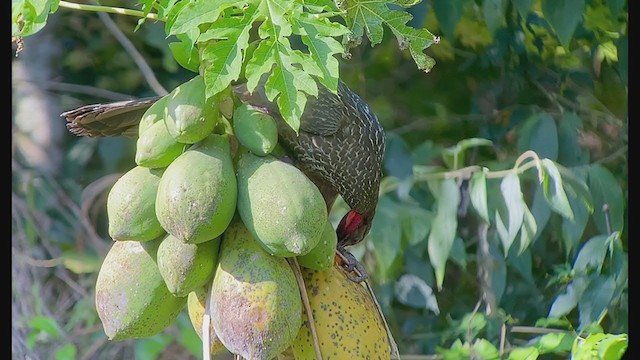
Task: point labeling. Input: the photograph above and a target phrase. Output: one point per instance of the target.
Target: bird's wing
(323, 115)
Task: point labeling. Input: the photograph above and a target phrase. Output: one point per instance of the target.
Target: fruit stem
(293, 262)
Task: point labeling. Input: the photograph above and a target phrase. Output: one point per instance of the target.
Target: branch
(108, 9)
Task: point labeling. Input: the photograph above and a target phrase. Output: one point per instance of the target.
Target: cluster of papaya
(179, 241)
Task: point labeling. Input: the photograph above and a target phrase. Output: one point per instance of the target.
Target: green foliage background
(510, 76)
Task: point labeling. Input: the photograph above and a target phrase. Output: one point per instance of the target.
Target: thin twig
(503, 337)
(293, 262)
(76, 88)
(108, 9)
(148, 74)
(534, 330)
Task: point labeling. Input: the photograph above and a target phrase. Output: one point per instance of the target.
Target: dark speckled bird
(340, 146)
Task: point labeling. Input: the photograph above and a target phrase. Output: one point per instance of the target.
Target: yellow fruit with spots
(346, 318)
(196, 303)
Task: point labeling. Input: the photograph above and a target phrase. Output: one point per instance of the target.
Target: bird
(339, 146)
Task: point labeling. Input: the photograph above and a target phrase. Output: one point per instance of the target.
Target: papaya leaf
(445, 224)
(198, 12)
(371, 14)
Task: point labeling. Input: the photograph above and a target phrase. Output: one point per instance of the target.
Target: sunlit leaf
(445, 224)
(524, 353)
(512, 195)
(554, 190)
(478, 194)
(613, 346)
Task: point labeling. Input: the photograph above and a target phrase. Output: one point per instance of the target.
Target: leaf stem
(108, 9)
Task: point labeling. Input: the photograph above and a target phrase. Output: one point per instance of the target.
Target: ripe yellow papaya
(255, 130)
(347, 321)
(131, 205)
(255, 303)
(196, 306)
(131, 297)
(198, 191)
(321, 257)
(280, 206)
(186, 267)
(188, 115)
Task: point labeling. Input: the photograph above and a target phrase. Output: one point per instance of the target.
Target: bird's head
(353, 227)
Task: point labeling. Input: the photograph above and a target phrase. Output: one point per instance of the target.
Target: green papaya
(321, 257)
(255, 303)
(198, 191)
(156, 148)
(131, 205)
(154, 114)
(188, 115)
(255, 130)
(132, 299)
(196, 307)
(186, 267)
(280, 206)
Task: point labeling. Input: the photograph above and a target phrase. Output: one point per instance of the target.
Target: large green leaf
(448, 13)
(568, 300)
(539, 134)
(593, 253)
(554, 190)
(595, 299)
(606, 190)
(570, 153)
(493, 12)
(478, 194)
(564, 17)
(512, 195)
(445, 224)
(385, 236)
(369, 15)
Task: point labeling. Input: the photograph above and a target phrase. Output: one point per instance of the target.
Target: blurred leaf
(550, 322)
(572, 230)
(512, 195)
(606, 190)
(485, 349)
(445, 224)
(528, 230)
(471, 323)
(498, 271)
(448, 13)
(458, 252)
(522, 264)
(66, 352)
(81, 263)
(478, 194)
(555, 342)
(575, 185)
(524, 353)
(592, 253)
(385, 236)
(397, 161)
(416, 223)
(623, 59)
(540, 211)
(554, 190)
(413, 291)
(415, 265)
(564, 17)
(523, 7)
(615, 6)
(570, 153)
(188, 336)
(613, 346)
(595, 299)
(568, 300)
(45, 324)
(493, 12)
(149, 348)
(539, 134)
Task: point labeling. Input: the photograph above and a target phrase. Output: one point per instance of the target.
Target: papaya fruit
(186, 267)
(132, 299)
(347, 321)
(154, 114)
(198, 191)
(156, 148)
(131, 205)
(255, 303)
(255, 130)
(280, 206)
(188, 115)
(321, 257)
(196, 306)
